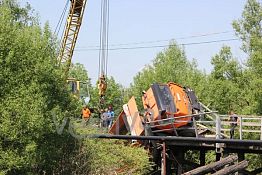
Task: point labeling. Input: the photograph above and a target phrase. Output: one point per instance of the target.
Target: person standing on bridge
(233, 118)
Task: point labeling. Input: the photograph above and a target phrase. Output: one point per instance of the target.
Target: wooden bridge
(211, 134)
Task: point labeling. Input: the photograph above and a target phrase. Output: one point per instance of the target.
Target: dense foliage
(32, 90)
(169, 65)
(111, 156)
(249, 30)
(230, 85)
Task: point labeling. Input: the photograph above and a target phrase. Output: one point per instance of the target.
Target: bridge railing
(218, 124)
(245, 124)
(222, 124)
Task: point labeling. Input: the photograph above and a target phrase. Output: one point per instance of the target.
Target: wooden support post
(241, 156)
(218, 136)
(241, 128)
(202, 157)
(218, 127)
(163, 161)
(180, 158)
(218, 156)
(195, 126)
(225, 153)
(261, 130)
(233, 168)
(212, 166)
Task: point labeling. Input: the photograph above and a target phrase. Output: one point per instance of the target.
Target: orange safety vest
(86, 113)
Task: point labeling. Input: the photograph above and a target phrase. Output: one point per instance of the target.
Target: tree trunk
(232, 168)
(212, 166)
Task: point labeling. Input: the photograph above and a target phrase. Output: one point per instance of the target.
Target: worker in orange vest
(86, 114)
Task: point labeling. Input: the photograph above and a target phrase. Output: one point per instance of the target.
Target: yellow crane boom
(73, 25)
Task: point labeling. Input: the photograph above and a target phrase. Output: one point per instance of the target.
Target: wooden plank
(233, 168)
(261, 129)
(244, 116)
(212, 130)
(212, 166)
(136, 125)
(256, 131)
(227, 123)
(119, 125)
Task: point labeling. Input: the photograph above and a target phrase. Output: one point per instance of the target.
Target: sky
(149, 23)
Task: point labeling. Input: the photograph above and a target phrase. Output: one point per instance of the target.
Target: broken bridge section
(207, 131)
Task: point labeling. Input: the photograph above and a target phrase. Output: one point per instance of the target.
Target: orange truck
(168, 110)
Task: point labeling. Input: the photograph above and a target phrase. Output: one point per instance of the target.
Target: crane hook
(102, 86)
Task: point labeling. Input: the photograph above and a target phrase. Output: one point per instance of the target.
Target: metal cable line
(160, 46)
(103, 48)
(62, 16)
(156, 41)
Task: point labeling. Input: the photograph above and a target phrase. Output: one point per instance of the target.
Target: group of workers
(106, 116)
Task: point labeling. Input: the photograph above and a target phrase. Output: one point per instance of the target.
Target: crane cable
(58, 26)
(104, 23)
(103, 51)
(61, 19)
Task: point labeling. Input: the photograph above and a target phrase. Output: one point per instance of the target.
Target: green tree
(249, 30)
(111, 156)
(78, 72)
(224, 83)
(31, 89)
(169, 65)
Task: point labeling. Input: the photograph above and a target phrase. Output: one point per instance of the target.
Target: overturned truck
(168, 111)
